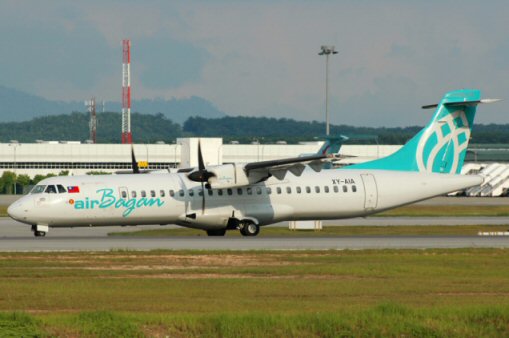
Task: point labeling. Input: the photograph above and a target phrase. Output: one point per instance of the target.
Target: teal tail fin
(332, 144)
(442, 145)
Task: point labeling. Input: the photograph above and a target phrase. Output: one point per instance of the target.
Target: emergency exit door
(370, 191)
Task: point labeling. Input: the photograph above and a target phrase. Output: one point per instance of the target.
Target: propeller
(136, 168)
(202, 174)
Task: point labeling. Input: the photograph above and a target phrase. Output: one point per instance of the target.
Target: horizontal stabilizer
(461, 103)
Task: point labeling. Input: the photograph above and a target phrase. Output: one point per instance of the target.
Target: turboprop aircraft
(250, 195)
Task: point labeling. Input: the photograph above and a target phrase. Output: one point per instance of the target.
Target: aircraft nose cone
(15, 211)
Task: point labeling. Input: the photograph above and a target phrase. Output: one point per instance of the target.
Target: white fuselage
(174, 199)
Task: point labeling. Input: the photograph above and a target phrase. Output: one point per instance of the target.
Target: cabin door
(370, 191)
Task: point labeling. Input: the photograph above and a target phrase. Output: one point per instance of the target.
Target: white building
(54, 157)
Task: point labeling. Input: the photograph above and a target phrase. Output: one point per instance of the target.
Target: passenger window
(190, 192)
(38, 189)
(317, 189)
(278, 190)
(229, 191)
(152, 193)
(181, 193)
(124, 194)
(345, 189)
(210, 192)
(51, 189)
(133, 194)
(143, 193)
(288, 190)
(336, 189)
(249, 191)
(161, 193)
(269, 190)
(326, 189)
(308, 190)
(61, 189)
(172, 193)
(239, 191)
(354, 188)
(299, 190)
(220, 192)
(258, 190)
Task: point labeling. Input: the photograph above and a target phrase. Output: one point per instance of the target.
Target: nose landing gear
(40, 230)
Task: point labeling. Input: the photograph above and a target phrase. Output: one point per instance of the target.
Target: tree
(8, 180)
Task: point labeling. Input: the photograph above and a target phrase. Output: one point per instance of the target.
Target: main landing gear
(216, 232)
(248, 228)
(40, 230)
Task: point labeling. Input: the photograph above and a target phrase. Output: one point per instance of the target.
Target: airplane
(250, 195)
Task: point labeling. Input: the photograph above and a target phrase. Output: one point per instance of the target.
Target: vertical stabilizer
(442, 145)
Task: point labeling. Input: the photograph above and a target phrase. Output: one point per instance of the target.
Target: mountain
(17, 105)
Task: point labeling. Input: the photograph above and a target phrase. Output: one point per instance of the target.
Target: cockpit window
(61, 189)
(51, 189)
(38, 189)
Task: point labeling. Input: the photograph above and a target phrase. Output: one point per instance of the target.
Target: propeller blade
(136, 169)
(202, 174)
(201, 165)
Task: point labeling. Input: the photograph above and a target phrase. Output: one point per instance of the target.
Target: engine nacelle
(232, 175)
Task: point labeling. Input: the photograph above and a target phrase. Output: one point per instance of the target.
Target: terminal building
(78, 158)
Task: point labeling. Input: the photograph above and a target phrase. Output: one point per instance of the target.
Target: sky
(260, 58)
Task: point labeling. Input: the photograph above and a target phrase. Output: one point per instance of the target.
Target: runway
(15, 236)
(241, 243)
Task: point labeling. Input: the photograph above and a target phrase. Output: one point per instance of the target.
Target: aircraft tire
(250, 229)
(216, 232)
(39, 233)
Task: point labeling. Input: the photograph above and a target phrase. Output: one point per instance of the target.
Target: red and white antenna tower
(127, 137)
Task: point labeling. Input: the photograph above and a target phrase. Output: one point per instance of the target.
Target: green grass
(453, 293)
(327, 231)
(384, 320)
(3, 211)
(448, 210)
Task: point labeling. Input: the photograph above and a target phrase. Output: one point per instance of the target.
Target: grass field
(3, 210)
(412, 293)
(418, 210)
(429, 230)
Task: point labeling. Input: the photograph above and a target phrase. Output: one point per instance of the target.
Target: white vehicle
(247, 196)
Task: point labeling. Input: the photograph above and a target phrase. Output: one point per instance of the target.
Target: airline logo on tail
(443, 144)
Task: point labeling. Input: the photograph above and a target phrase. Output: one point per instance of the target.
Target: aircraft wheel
(39, 233)
(216, 232)
(249, 229)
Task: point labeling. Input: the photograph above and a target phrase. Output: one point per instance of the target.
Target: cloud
(168, 63)
(260, 58)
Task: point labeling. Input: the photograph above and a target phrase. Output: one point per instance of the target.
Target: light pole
(327, 50)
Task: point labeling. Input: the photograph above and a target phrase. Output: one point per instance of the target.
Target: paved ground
(11, 228)
(15, 236)
(240, 243)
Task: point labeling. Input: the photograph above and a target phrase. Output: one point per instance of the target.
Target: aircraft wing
(279, 168)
